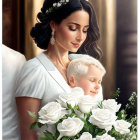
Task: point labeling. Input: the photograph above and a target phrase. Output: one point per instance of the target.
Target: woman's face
(72, 31)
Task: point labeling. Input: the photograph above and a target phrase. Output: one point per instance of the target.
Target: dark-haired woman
(65, 26)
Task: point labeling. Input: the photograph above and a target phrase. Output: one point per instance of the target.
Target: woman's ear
(52, 25)
(71, 81)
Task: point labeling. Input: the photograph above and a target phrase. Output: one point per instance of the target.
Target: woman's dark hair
(41, 33)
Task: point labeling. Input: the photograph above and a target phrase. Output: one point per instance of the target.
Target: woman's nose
(80, 36)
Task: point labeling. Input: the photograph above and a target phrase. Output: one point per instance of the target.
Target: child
(86, 72)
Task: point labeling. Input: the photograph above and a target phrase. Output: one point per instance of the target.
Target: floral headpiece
(57, 5)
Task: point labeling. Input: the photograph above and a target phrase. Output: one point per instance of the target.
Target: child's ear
(71, 81)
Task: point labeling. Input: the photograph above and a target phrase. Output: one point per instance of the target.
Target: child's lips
(94, 92)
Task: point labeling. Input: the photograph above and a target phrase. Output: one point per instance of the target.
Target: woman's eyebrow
(77, 24)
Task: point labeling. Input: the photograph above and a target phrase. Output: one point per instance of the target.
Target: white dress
(12, 62)
(39, 78)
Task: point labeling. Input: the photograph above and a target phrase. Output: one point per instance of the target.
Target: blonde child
(86, 72)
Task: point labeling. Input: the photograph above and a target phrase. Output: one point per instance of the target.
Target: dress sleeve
(21, 60)
(31, 80)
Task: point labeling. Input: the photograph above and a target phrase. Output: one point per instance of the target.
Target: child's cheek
(86, 88)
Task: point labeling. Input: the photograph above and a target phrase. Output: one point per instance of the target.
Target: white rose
(71, 98)
(85, 136)
(103, 118)
(111, 104)
(122, 126)
(86, 103)
(70, 127)
(51, 113)
(105, 137)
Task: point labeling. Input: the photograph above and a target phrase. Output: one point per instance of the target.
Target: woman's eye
(85, 31)
(72, 28)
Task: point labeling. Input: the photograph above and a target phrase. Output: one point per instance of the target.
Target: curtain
(106, 15)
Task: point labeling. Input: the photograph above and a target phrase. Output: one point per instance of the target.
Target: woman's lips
(76, 45)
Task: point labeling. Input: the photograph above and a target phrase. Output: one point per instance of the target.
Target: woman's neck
(58, 55)
(60, 59)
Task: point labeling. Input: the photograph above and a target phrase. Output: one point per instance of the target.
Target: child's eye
(99, 82)
(92, 80)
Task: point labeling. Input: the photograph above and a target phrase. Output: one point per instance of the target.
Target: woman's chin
(74, 50)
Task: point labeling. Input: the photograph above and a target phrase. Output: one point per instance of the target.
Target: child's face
(91, 82)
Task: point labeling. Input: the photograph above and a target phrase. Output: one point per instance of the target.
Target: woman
(65, 26)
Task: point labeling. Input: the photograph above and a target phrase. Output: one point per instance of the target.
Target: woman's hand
(25, 104)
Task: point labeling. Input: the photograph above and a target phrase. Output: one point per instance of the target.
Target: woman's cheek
(66, 34)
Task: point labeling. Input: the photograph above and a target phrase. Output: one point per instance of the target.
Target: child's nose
(97, 86)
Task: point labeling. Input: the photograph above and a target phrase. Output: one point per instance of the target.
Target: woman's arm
(25, 104)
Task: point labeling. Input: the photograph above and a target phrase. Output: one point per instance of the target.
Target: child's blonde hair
(79, 66)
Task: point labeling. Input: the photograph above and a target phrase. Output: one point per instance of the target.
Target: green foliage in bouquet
(132, 119)
(80, 117)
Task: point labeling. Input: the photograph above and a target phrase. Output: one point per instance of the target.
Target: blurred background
(117, 20)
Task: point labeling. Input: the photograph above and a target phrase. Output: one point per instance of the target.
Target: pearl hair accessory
(52, 39)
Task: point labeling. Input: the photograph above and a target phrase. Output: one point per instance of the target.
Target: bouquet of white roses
(80, 117)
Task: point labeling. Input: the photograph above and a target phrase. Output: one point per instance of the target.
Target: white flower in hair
(54, 4)
(57, 5)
